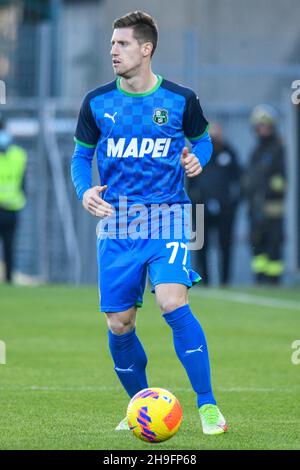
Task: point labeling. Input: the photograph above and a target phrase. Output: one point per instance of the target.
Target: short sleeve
(194, 123)
(87, 133)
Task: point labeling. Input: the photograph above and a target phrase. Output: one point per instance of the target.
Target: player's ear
(147, 49)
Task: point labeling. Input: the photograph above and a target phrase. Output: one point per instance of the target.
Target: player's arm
(86, 137)
(195, 128)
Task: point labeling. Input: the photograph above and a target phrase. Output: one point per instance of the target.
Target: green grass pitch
(58, 389)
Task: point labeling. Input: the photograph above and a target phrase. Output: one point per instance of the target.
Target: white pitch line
(249, 299)
(35, 388)
(247, 390)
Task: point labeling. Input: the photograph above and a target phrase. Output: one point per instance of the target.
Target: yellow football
(154, 415)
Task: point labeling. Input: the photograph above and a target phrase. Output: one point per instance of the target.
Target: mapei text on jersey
(138, 147)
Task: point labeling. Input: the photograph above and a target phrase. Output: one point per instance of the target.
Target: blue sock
(191, 349)
(130, 361)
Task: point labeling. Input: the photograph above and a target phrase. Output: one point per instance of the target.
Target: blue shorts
(123, 265)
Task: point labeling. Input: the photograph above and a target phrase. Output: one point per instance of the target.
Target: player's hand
(94, 204)
(190, 163)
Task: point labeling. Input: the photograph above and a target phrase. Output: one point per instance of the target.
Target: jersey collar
(137, 95)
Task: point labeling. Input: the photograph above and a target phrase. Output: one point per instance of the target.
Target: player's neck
(141, 83)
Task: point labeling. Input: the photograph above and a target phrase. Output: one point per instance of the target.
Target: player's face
(126, 53)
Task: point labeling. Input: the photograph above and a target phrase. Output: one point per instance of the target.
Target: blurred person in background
(12, 199)
(265, 184)
(220, 192)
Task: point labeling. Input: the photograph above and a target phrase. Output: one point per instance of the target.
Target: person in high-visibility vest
(265, 187)
(12, 198)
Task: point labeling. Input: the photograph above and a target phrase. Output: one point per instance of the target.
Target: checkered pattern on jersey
(144, 179)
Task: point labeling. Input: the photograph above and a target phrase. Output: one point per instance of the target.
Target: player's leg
(189, 339)
(128, 354)
(171, 275)
(122, 278)
(191, 349)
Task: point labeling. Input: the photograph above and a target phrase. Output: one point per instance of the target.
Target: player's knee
(170, 304)
(120, 326)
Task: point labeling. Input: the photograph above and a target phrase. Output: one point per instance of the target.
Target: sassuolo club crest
(160, 116)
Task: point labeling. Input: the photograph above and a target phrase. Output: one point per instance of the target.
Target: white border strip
(243, 298)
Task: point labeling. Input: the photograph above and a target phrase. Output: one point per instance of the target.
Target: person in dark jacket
(265, 184)
(220, 192)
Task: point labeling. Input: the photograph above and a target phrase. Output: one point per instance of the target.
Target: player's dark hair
(143, 25)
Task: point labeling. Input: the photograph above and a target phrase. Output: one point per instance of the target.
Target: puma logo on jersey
(109, 116)
(138, 148)
(184, 268)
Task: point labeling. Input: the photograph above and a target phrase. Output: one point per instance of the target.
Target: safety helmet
(264, 114)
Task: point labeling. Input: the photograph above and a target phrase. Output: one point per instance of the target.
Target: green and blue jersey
(138, 139)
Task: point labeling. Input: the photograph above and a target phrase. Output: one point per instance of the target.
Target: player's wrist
(83, 191)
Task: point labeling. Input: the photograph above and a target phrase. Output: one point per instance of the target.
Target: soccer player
(138, 124)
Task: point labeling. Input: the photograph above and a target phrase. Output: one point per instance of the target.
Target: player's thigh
(171, 296)
(122, 276)
(121, 322)
(170, 273)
